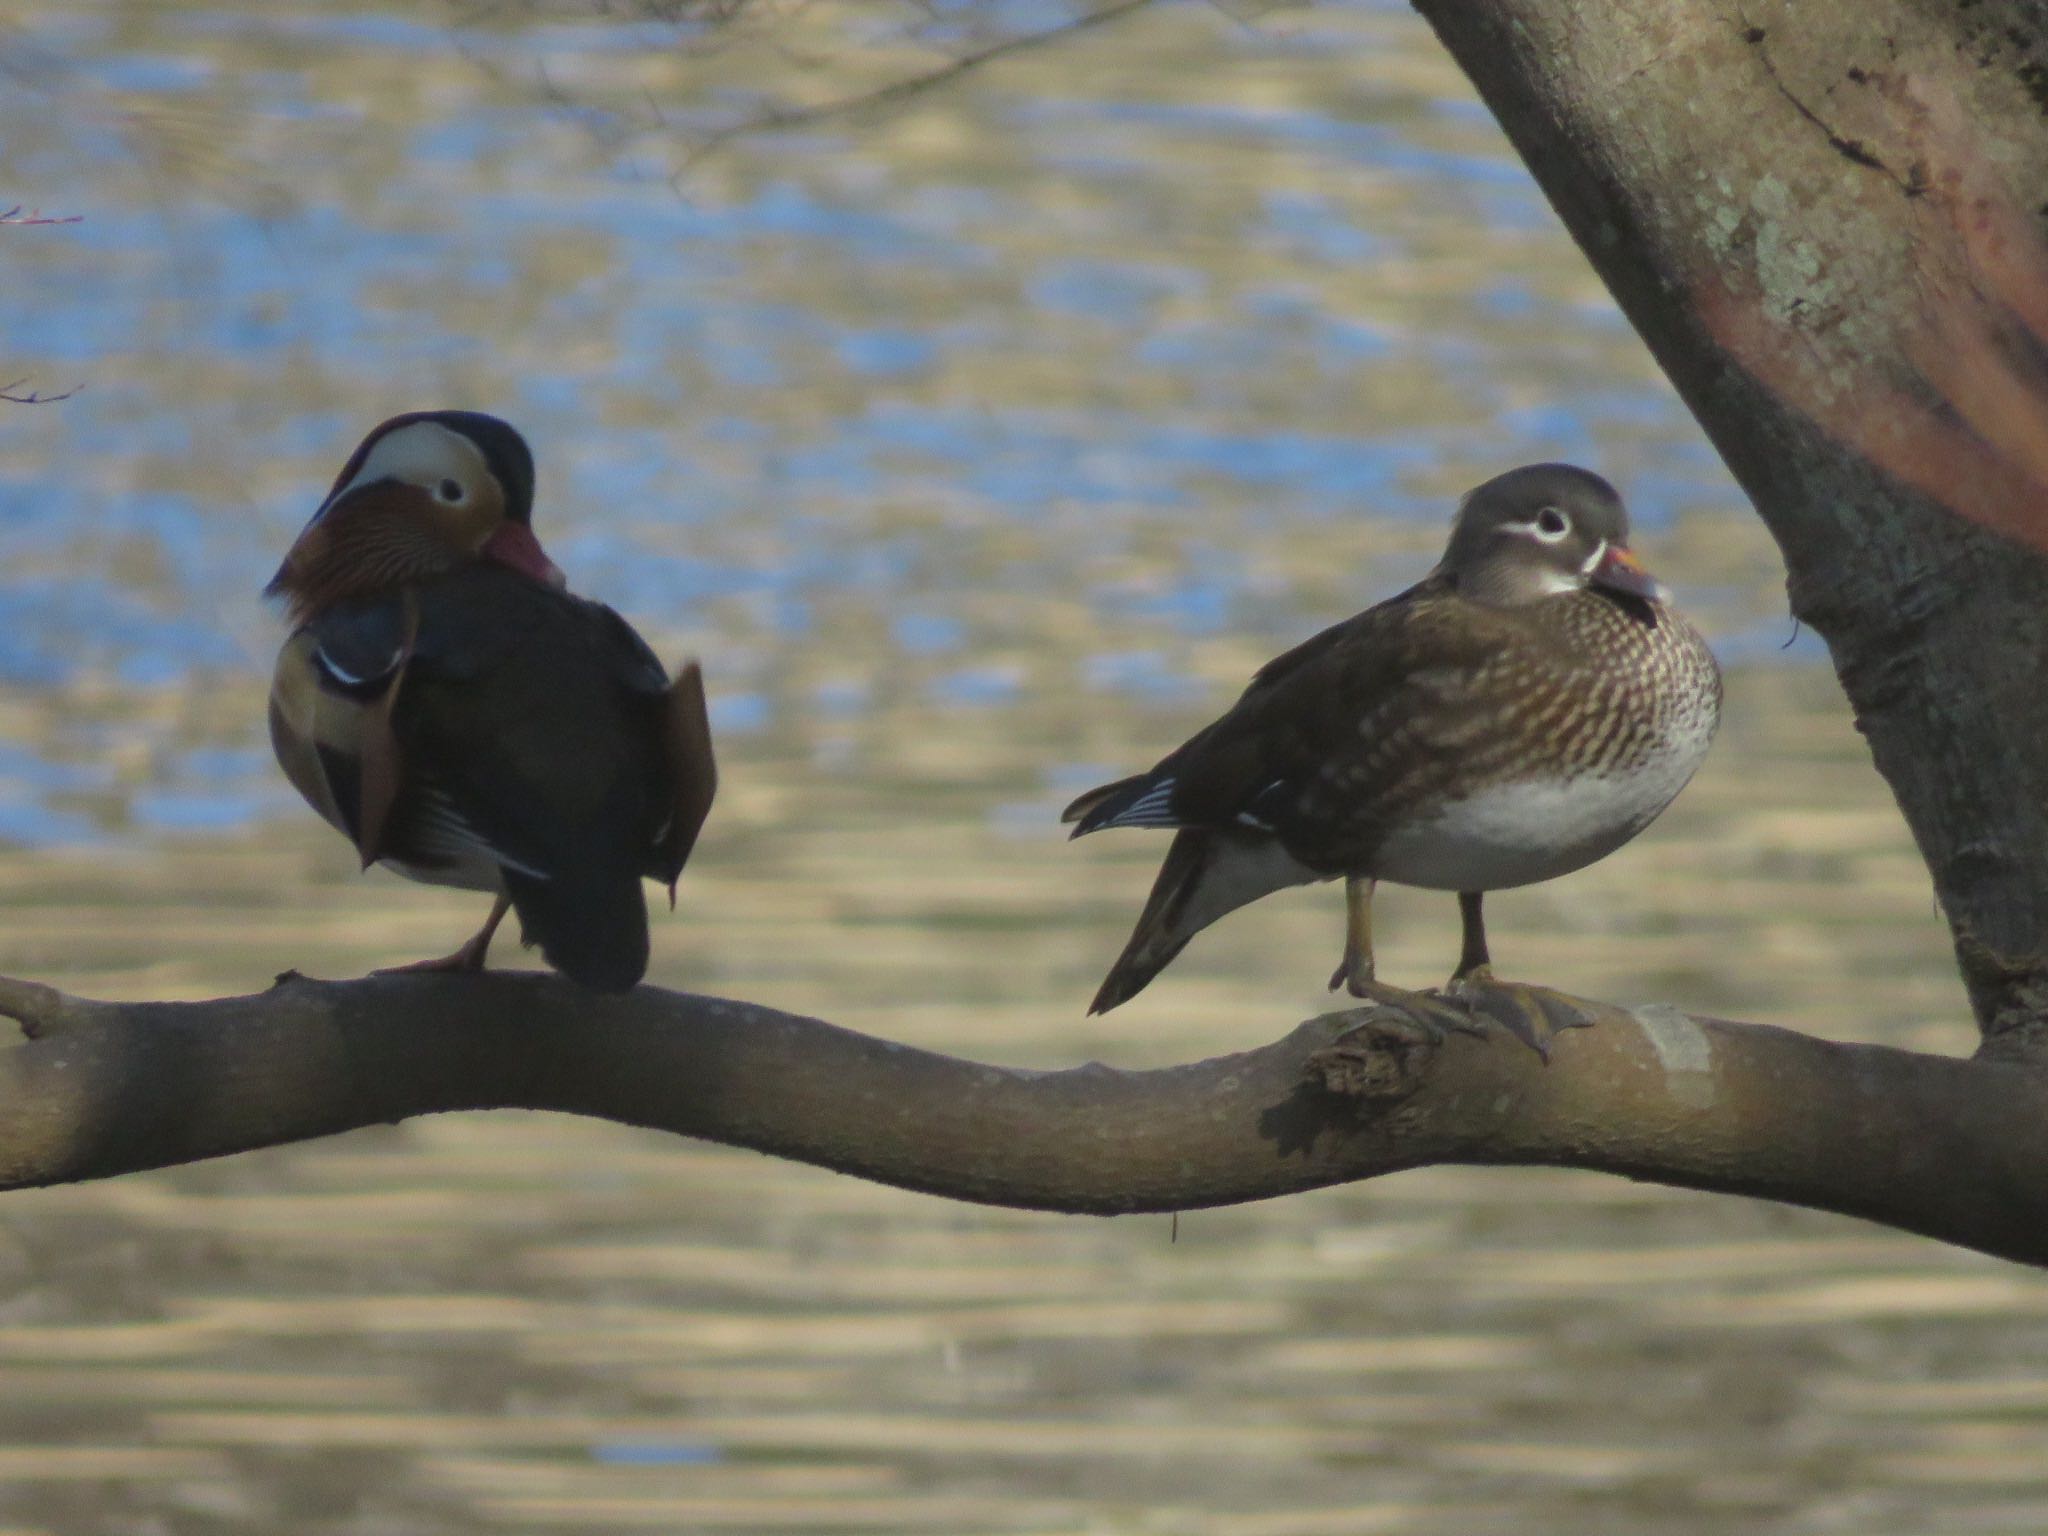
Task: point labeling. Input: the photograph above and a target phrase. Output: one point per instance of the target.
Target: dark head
(1540, 531)
(423, 494)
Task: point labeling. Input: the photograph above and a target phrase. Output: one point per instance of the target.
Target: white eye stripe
(1593, 560)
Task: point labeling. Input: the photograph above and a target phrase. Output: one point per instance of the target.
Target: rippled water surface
(980, 447)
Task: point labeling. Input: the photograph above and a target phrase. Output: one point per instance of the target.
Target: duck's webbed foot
(1419, 1018)
(1533, 1015)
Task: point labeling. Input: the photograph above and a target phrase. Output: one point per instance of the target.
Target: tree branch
(1940, 1146)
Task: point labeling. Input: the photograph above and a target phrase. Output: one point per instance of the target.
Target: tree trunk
(1826, 222)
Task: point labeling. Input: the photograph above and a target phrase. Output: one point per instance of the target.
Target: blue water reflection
(835, 383)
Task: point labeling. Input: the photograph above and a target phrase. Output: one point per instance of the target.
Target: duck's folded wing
(690, 773)
(687, 771)
(1324, 732)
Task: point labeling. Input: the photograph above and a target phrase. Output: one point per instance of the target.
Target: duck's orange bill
(1621, 571)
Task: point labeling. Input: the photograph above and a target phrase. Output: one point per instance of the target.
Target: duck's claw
(1533, 1015)
(1411, 1017)
(1436, 1017)
(1357, 979)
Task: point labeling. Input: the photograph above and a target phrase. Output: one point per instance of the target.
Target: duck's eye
(1552, 525)
(449, 490)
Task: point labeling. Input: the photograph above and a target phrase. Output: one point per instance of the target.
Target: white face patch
(1593, 560)
(425, 454)
(1549, 581)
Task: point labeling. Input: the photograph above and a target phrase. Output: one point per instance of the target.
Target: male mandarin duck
(1526, 709)
(463, 719)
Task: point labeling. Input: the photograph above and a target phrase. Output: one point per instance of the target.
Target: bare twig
(13, 394)
(18, 215)
(784, 119)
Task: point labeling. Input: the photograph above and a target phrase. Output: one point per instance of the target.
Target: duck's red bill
(515, 545)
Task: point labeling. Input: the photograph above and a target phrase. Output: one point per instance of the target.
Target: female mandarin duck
(446, 704)
(1530, 706)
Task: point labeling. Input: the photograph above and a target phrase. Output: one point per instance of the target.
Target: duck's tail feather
(1142, 800)
(1206, 874)
(593, 929)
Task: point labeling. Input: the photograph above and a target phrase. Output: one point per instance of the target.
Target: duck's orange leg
(470, 957)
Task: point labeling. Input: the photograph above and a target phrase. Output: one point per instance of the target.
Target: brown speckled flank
(1432, 698)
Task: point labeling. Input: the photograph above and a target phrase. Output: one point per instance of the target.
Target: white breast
(1520, 833)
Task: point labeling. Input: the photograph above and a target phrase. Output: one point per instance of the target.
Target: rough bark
(107, 1088)
(1826, 221)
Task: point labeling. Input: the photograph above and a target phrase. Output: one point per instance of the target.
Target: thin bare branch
(14, 394)
(25, 216)
(784, 119)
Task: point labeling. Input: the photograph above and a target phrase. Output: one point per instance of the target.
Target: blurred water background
(980, 447)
